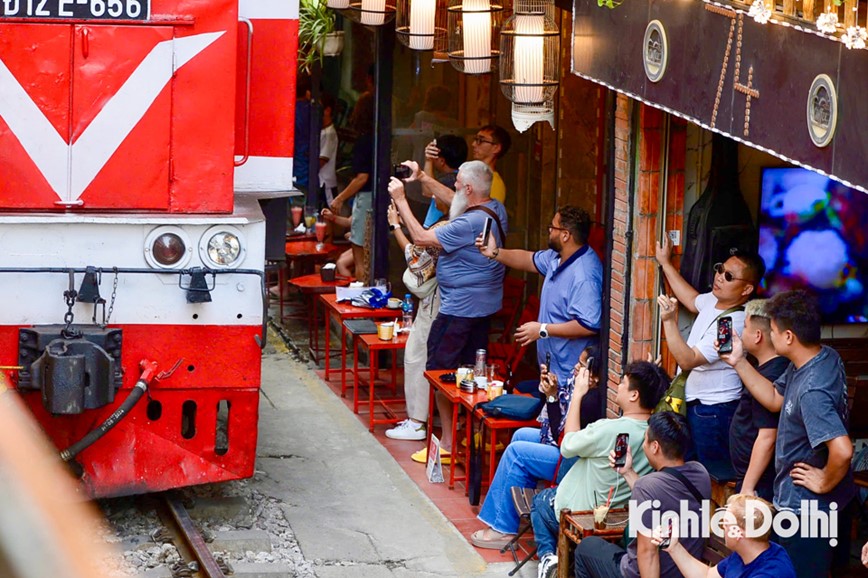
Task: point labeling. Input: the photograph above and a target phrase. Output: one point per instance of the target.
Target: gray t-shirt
(470, 285)
(670, 491)
(814, 411)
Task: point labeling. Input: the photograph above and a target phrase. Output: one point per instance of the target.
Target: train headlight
(167, 248)
(222, 247)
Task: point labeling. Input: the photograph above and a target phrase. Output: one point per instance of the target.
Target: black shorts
(453, 341)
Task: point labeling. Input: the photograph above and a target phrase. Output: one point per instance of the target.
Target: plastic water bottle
(407, 307)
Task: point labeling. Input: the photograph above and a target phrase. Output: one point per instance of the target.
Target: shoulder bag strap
(729, 311)
(494, 216)
(683, 479)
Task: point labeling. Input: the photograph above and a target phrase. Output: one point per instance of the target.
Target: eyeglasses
(479, 140)
(727, 275)
(553, 228)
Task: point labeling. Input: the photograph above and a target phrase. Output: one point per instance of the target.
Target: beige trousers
(416, 356)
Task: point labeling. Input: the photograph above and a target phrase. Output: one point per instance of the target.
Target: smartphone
(621, 449)
(401, 171)
(664, 543)
(486, 231)
(548, 361)
(724, 334)
(662, 278)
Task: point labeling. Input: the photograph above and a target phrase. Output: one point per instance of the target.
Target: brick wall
(636, 313)
(622, 185)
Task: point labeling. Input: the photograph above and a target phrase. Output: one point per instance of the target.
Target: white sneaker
(548, 566)
(407, 430)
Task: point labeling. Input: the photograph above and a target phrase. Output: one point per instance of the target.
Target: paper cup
(386, 331)
(495, 389)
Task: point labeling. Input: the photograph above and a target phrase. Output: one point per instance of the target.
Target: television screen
(814, 235)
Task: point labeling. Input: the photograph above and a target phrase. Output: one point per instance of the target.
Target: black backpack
(719, 221)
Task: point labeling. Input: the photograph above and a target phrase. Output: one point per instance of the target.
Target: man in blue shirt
(813, 449)
(753, 556)
(471, 286)
(571, 300)
(444, 155)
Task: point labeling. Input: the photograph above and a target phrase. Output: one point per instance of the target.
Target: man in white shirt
(713, 388)
(328, 151)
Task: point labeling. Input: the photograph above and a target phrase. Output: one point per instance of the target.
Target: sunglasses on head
(727, 275)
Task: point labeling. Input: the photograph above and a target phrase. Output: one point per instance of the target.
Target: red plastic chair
(509, 354)
(504, 321)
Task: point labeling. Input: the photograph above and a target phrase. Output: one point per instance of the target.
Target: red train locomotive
(136, 137)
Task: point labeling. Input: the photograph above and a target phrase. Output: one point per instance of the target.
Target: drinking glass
(320, 232)
(296, 215)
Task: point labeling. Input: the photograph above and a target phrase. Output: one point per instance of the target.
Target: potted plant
(316, 33)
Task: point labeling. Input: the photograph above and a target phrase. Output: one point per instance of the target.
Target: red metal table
(374, 345)
(294, 237)
(299, 253)
(340, 312)
(311, 286)
(467, 401)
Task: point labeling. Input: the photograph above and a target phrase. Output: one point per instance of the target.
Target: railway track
(197, 561)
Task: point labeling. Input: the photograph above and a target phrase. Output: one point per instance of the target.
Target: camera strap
(494, 216)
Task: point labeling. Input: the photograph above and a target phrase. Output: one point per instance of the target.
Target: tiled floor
(453, 503)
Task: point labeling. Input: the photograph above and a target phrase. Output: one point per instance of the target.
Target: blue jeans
(709, 427)
(524, 463)
(545, 522)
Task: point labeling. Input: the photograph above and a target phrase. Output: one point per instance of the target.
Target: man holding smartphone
(571, 299)
(712, 388)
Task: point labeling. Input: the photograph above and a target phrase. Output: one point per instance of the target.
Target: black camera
(401, 171)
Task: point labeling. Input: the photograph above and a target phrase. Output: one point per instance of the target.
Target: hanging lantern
(421, 24)
(530, 44)
(370, 12)
(473, 39)
(525, 115)
(338, 4)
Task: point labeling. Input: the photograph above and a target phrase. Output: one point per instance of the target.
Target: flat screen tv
(814, 235)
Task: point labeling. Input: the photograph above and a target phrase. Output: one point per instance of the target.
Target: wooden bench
(721, 492)
(715, 550)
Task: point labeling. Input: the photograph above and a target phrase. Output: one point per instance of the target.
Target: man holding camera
(490, 144)
(471, 286)
(813, 450)
(753, 555)
(587, 483)
(443, 156)
(712, 387)
(673, 483)
(571, 299)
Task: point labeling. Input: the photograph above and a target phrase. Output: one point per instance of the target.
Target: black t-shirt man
(750, 417)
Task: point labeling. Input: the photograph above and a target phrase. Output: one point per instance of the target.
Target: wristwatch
(543, 332)
(394, 226)
(552, 399)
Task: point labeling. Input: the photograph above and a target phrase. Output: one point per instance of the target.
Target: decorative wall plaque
(822, 110)
(655, 51)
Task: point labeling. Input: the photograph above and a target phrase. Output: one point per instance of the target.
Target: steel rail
(187, 538)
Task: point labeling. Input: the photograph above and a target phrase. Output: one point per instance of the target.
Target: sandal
(479, 540)
(422, 456)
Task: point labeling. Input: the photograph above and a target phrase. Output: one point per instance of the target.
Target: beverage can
(479, 368)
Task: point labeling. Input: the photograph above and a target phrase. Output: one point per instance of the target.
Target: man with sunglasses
(571, 298)
(713, 388)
